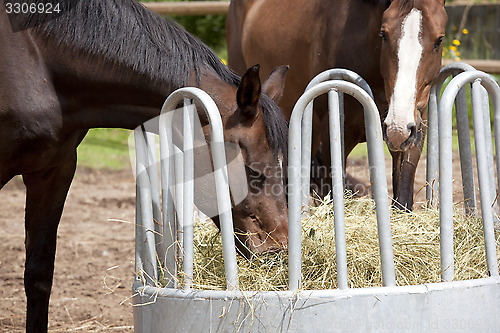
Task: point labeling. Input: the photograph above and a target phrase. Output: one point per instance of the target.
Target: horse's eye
(438, 42)
(383, 34)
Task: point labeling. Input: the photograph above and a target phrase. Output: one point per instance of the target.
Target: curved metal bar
(188, 194)
(465, 152)
(155, 194)
(484, 175)
(489, 152)
(463, 135)
(445, 170)
(341, 74)
(179, 199)
(220, 173)
(330, 74)
(170, 237)
(377, 175)
(337, 187)
(146, 264)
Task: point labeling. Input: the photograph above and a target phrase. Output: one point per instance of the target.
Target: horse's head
(412, 34)
(256, 125)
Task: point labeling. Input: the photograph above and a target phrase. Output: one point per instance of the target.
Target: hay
(415, 244)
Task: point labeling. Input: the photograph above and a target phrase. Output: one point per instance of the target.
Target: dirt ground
(94, 261)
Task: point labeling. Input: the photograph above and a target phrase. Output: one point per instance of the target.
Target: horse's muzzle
(414, 137)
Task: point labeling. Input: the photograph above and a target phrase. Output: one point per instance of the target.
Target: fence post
(146, 263)
(170, 234)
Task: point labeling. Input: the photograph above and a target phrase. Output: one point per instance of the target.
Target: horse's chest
(30, 137)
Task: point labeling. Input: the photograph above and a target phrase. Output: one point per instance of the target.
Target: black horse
(112, 63)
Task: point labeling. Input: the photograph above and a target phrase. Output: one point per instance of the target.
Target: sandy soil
(94, 261)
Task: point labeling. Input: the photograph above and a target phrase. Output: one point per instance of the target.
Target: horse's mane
(407, 4)
(381, 3)
(276, 127)
(387, 3)
(127, 33)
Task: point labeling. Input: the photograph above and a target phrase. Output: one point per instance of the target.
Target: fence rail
(189, 8)
(488, 66)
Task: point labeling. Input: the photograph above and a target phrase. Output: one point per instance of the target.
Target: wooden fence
(189, 7)
(488, 66)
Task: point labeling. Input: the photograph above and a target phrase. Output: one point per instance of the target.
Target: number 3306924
(32, 8)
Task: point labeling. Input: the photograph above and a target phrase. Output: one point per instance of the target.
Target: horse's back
(261, 32)
(309, 36)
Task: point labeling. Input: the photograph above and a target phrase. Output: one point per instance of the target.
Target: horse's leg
(45, 197)
(352, 184)
(319, 167)
(353, 135)
(404, 167)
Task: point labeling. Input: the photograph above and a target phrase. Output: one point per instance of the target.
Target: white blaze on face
(402, 103)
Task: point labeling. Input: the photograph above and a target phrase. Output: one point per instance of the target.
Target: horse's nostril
(413, 130)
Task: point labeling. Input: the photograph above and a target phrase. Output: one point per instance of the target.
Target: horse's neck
(362, 40)
(365, 35)
(100, 93)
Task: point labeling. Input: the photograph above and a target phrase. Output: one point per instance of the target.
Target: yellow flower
(456, 42)
(457, 59)
(453, 48)
(457, 53)
(465, 31)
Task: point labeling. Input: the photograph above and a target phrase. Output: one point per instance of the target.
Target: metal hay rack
(419, 308)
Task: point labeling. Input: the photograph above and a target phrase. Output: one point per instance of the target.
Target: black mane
(276, 127)
(382, 3)
(128, 34)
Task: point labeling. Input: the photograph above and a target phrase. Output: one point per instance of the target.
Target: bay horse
(112, 63)
(394, 45)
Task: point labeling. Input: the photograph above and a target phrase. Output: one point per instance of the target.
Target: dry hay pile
(415, 244)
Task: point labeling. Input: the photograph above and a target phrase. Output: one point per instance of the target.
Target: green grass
(105, 148)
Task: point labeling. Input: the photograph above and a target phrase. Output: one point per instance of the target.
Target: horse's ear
(248, 94)
(275, 83)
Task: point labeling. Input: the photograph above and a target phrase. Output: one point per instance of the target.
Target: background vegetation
(211, 29)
